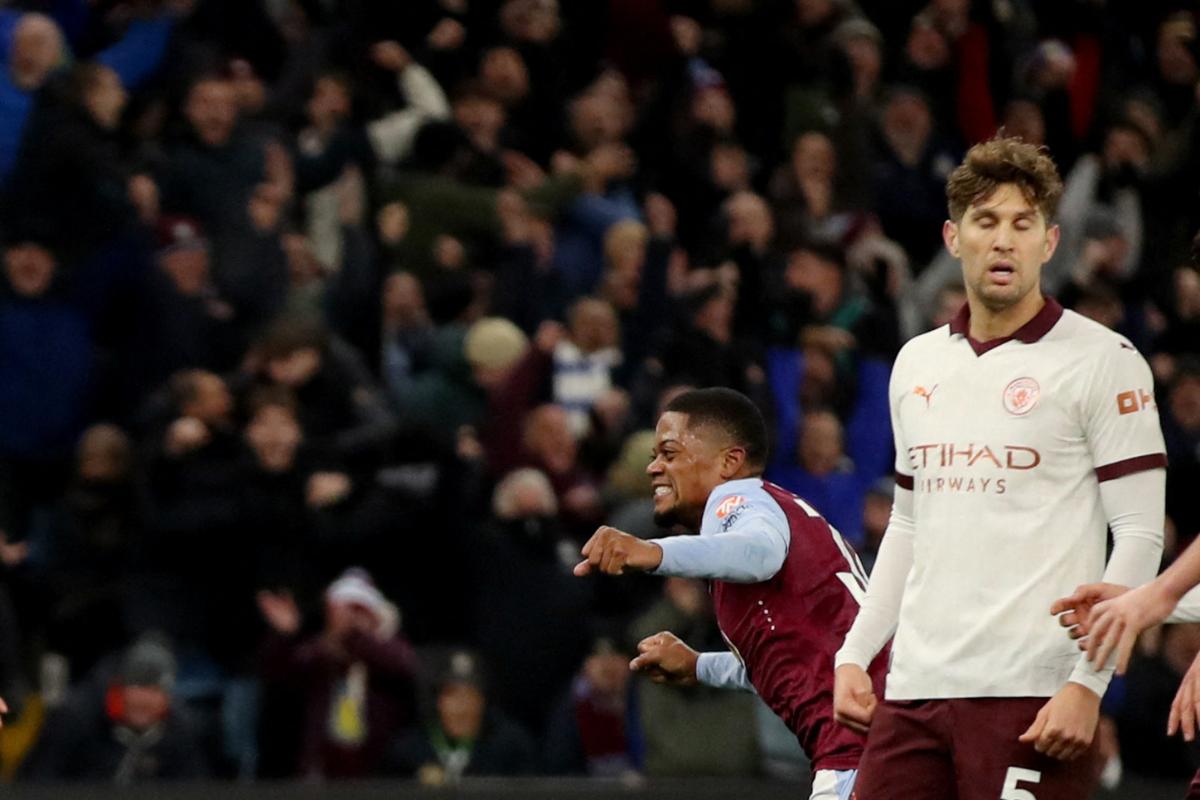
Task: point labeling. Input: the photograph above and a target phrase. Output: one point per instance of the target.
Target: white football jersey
(1004, 446)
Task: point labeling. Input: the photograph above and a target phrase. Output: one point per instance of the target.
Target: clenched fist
(611, 551)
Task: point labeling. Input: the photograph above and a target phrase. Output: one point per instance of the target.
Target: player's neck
(987, 324)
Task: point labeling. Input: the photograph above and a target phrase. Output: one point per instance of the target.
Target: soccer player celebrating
(784, 583)
(1022, 432)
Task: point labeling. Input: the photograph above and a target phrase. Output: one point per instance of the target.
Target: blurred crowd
(330, 329)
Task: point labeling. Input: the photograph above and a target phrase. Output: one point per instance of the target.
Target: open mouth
(661, 491)
(1002, 273)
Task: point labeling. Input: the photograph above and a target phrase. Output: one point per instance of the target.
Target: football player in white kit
(1023, 432)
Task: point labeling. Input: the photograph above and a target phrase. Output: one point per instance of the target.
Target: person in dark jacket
(467, 737)
(125, 730)
(71, 177)
(341, 409)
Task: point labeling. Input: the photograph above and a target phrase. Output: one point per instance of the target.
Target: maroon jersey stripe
(1119, 469)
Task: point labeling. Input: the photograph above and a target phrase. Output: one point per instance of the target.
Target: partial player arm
(1123, 433)
(854, 697)
(723, 671)
(1121, 426)
(1134, 507)
(747, 544)
(880, 612)
(751, 551)
(666, 658)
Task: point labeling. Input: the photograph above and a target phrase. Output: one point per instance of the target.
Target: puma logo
(927, 394)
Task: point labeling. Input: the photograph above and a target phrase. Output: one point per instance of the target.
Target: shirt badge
(729, 505)
(1021, 396)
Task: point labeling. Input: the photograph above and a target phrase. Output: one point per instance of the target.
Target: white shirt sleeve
(1134, 507)
(1188, 609)
(722, 671)
(392, 136)
(1120, 418)
(748, 544)
(880, 612)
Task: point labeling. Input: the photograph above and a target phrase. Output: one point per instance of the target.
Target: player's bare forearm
(613, 552)
(1183, 574)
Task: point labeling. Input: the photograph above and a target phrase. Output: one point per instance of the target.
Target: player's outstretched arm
(666, 659)
(611, 552)
(1141, 608)
(854, 697)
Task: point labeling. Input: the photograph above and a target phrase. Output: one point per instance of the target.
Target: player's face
(1003, 241)
(685, 469)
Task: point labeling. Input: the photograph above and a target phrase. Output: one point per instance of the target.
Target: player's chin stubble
(667, 518)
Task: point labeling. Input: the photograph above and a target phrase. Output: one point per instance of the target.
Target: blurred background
(330, 329)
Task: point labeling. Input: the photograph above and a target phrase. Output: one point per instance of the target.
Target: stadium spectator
(528, 607)
(596, 728)
(354, 679)
(123, 726)
(467, 735)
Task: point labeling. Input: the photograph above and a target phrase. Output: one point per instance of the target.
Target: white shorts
(831, 784)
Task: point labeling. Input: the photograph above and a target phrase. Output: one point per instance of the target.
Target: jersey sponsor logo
(925, 394)
(730, 505)
(952, 454)
(1133, 401)
(1021, 396)
(961, 485)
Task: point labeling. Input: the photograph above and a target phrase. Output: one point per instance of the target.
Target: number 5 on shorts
(1017, 775)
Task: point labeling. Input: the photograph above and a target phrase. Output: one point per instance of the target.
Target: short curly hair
(998, 161)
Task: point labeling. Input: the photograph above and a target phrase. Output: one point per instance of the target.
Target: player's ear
(1053, 233)
(732, 462)
(950, 236)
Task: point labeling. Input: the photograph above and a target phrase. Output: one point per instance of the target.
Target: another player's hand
(666, 659)
(611, 552)
(854, 698)
(1115, 624)
(1185, 708)
(1079, 604)
(3, 710)
(1065, 726)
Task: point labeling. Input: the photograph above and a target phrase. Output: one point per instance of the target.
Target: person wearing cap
(354, 678)
(180, 319)
(449, 396)
(467, 737)
(125, 729)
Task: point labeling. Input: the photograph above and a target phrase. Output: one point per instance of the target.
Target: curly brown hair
(1000, 160)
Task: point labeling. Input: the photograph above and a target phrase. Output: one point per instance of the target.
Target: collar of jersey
(1028, 333)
